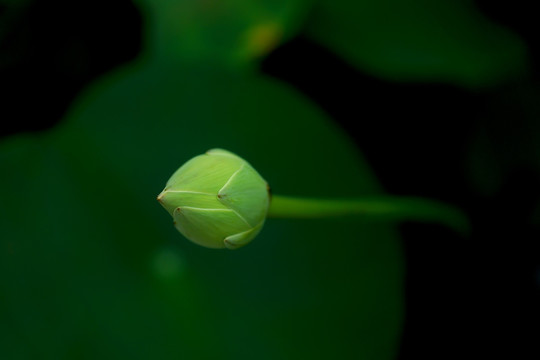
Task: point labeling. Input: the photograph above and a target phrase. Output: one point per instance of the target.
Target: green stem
(392, 208)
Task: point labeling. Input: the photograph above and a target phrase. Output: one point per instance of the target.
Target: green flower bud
(217, 200)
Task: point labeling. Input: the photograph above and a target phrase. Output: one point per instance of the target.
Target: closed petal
(238, 240)
(204, 173)
(208, 227)
(246, 193)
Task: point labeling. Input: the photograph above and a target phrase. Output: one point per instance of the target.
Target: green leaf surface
(82, 234)
(91, 266)
(422, 40)
(230, 32)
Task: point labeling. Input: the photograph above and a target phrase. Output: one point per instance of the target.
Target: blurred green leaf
(83, 239)
(423, 40)
(232, 32)
(92, 268)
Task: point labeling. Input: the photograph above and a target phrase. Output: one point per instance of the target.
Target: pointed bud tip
(161, 196)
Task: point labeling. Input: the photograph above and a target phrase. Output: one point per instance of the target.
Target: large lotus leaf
(421, 40)
(92, 267)
(233, 32)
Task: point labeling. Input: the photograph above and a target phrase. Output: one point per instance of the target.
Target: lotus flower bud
(217, 200)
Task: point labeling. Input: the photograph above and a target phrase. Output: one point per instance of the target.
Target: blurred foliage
(91, 266)
(422, 40)
(230, 33)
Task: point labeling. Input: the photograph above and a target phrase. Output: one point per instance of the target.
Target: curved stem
(393, 208)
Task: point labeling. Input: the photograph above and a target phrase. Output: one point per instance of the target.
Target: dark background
(472, 297)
